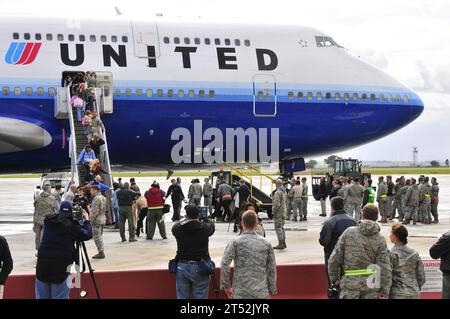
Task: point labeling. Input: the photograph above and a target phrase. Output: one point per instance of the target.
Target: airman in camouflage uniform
(208, 195)
(98, 220)
(408, 275)
(425, 201)
(398, 205)
(305, 200)
(382, 199)
(255, 272)
(434, 199)
(411, 202)
(403, 191)
(355, 199)
(358, 248)
(44, 205)
(279, 213)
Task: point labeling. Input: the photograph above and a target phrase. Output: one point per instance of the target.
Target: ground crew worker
(390, 196)
(382, 198)
(279, 213)
(348, 183)
(195, 193)
(297, 201)
(44, 205)
(125, 197)
(408, 274)
(255, 271)
(369, 193)
(208, 195)
(304, 216)
(397, 204)
(323, 194)
(411, 203)
(434, 199)
(98, 220)
(359, 253)
(355, 195)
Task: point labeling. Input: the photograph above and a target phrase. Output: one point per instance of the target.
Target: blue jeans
(46, 290)
(189, 281)
(116, 218)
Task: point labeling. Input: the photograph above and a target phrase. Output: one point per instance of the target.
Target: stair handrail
(73, 140)
(241, 174)
(261, 174)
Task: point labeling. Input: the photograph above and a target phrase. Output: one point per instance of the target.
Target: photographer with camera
(192, 235)
(57, 251)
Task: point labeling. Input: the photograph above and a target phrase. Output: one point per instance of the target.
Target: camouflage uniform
(344, 191)
(424, 202)
(255, 272)
(305, 201)
(382, 200)
(359, 247)
(297, 201)
(207, 196)
(390, 199)
(397, 205)
(403, 191)
(354, 200)
(98, 219)
(434, 201)
(279, 213)
(44, 205)
(408, 274)
(289, 202)
(411, 203)
(195, 194)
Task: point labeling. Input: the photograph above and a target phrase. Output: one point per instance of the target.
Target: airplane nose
(417, 106)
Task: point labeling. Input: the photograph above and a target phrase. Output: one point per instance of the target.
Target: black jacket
(192, 239)
(332, 229)
(176, 192)
(442, 250)
(125, 197)
(244, 193)
(6, 262)
(323, 190)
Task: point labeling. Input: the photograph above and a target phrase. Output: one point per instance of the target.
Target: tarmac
(16, 214)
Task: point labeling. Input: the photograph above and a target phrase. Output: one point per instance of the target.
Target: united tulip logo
(22, 53)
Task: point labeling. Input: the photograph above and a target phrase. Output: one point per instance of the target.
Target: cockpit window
(323, 42)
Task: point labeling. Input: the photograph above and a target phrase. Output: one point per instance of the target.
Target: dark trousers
(87, 173)
(142, 216)
(327, 257)
(176, 209)
(154, 217)
(225, 203)
(126, 214)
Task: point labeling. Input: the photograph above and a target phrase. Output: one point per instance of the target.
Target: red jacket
(154, 198)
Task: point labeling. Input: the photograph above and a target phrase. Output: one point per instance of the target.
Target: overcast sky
(409, 39)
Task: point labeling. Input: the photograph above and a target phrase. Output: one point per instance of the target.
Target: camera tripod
(83, 256)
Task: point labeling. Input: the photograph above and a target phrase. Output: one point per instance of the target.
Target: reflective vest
(372, 195)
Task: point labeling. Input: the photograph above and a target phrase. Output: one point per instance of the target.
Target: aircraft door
(105, 94)
(145, 39)
(264, 96)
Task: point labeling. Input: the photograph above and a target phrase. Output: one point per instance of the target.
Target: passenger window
(51, 91)
(124, 39)
(406, 99)
(319, 96)
(28, 91)
(201, 93)
(382, 97)
(166, 40)
(300, 95)
(128, 92)
(373, 97)
(60, 37)
(176, 40)
(17, 91)
(212, 93)
(328, 96)
(5, 91)
(103, 38)
(309, 96)
(398, 98)
(139, 92)
(227, 42)
(71, 37)
(49, 36)
(217, 41)
(114, 38)
(117, 92)
(197, 40)
(92, 38)
(355, 97)
(364, 97)
(82, 38)
(40, 91)
(389, 98)
(191, 94)
(247, 43)
(290, 95)
(260, 95)
(267, 94)
(187, 41)
(27, 36)
(149, 93)
(169, 93)
(16, 36)
(346, 97)
(181, 94)
(207, 41)
(38, 36)
(237, 42)
(337, 96)
(160, 93)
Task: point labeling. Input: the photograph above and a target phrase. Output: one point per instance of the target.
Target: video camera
(77, 212)
(203, 213)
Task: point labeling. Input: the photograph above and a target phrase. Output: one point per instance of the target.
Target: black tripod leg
(91, 271)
